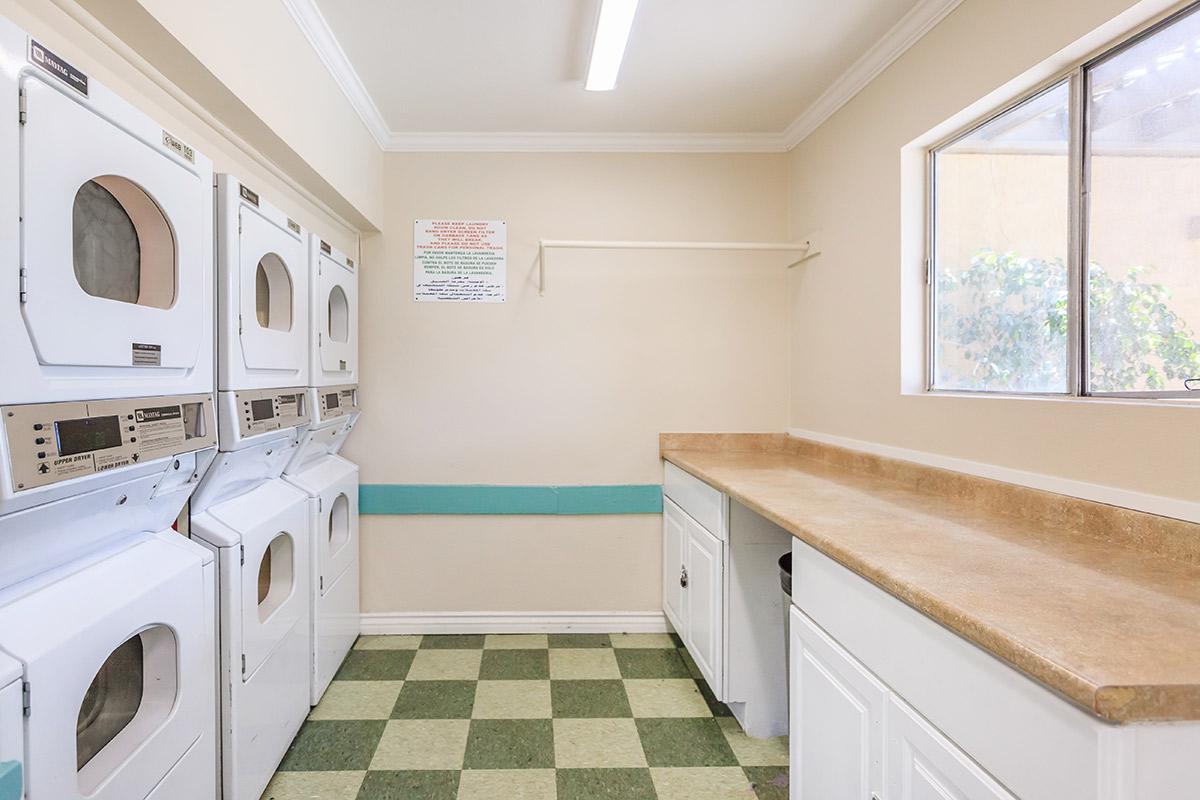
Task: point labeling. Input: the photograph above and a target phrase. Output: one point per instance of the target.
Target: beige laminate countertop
(1112, 624)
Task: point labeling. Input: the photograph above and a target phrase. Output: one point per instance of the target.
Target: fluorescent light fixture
(608, 48)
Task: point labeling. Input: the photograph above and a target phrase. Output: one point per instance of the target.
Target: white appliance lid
(10, 670)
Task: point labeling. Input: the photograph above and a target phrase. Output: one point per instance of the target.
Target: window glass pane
(108, 258)
(1144, 216)
(1000, 255)
(123, 247)
(338, 315)
(111, 701)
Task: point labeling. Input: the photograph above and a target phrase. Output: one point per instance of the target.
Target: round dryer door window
(339, 523)
(273, 294)
(339, 315)
(276, 576)
(130, 696)
(123, 248)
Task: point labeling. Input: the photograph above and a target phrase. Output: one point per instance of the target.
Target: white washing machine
(116, 673)
(263, 289)
(12, 733)
(331, 484)
(107, 217)
(333, 315)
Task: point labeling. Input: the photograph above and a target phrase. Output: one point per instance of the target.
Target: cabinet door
(837, 710)
(674, 533)
(923, 764)
(704, 629)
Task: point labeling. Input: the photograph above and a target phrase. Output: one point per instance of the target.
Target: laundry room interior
(600, 399)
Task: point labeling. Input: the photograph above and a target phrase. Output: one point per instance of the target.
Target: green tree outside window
(1003, 324)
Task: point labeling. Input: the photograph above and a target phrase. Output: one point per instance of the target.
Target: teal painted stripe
(392, 498)
(10, 780)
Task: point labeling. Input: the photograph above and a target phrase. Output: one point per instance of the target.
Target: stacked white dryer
(106, 627)
(256, 524)
(330, 481)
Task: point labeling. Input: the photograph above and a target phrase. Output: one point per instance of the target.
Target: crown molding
(903, 35)
(316, 29)
(525, 142)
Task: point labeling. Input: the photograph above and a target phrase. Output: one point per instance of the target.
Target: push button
(42, 454)
(39, 440)
(37, 426)
(132, 429)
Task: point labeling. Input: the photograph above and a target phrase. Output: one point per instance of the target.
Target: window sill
(1155, 402)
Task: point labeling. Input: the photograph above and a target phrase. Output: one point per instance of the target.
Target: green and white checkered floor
(525, 717)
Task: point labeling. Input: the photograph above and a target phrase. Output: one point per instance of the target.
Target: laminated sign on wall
(460, 261)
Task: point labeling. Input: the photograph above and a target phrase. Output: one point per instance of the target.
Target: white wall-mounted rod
(804, 248)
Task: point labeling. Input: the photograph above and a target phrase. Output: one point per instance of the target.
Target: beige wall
(47, 21)
(846, 180)
(266, 62)
(570, 388)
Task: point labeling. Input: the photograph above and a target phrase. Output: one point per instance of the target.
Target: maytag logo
(158, 413)
(57, 67)
(326, 248)
(293, 226)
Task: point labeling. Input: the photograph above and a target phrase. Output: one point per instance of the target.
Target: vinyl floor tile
(525, 717)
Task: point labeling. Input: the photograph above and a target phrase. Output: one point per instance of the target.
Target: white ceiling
(697, 75)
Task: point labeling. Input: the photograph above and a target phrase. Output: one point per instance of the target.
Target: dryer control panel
(265, 410)
(52, 442)
(336, 401)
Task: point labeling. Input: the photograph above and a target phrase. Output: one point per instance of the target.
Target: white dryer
(116, 672)
(107, 217)
(263, 288)
(258, 528)
(331, 484)
(258, 531)
(333, 315)
(12, 730)
(256, 524)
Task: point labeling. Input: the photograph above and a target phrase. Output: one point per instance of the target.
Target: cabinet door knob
(683, 580)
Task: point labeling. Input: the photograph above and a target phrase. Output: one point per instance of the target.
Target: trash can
(785, 583)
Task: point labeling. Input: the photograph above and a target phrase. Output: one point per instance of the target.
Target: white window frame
(1079, 179)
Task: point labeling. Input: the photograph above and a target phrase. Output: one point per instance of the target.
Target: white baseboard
(515, 622)
(1109, 495)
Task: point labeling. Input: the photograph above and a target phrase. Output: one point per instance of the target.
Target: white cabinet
(721, 594)
(703, 630)
(923, 764)
(673, 570)
(846, 725)
(958, 724)
(837, 712)
(693, 590)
